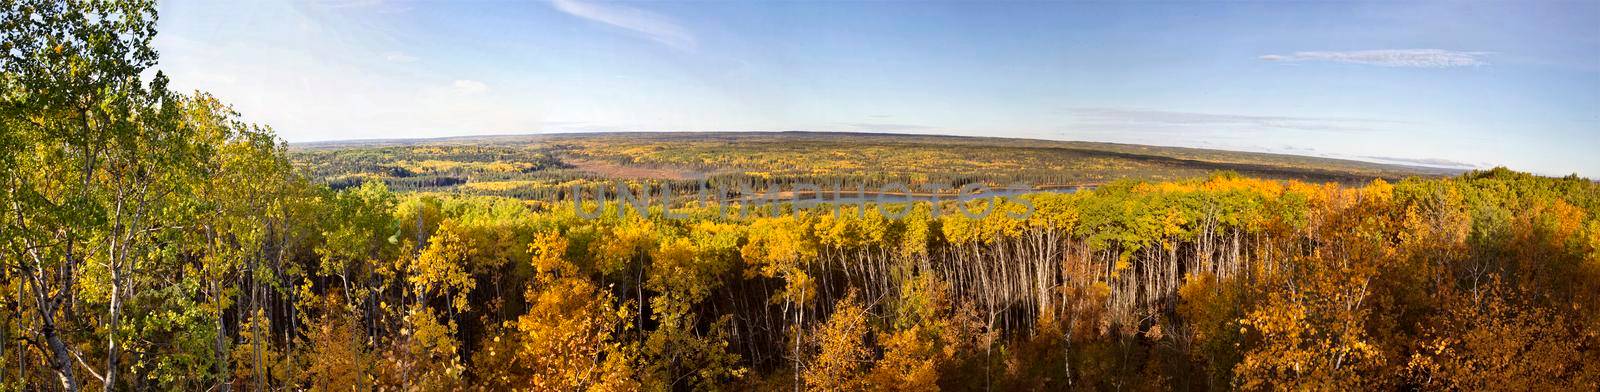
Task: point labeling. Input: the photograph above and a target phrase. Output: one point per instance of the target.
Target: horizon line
(1389, 162)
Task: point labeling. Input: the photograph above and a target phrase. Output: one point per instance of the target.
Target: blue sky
(1459, 83)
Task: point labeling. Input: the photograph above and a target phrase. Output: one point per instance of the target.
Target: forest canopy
(152, 240)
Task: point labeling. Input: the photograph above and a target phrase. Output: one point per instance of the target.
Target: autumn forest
(152, 240)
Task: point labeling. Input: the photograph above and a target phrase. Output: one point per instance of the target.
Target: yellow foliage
(549, 252)
(568, 339)
(257, 359)
(1485, 341)
(1312, 336)
(441, 268)
(910, 362)
(337, 358)
(842, 351)
(499, 186)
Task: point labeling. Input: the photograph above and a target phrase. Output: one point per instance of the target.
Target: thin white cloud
(1163, 120)
(399, 57)
(1411, 58)
(880, 126)
(1429, 162)
(654, 26)
(469, 87)
(348, 3)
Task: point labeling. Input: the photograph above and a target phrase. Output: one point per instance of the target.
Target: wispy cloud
(1163, 120)
(1412, 58)
(347, 3)
(399, 57)
(469, 87)
(1430, 162)
(876, 126)
(654, 26)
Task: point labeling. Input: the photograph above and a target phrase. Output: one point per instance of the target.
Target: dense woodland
(546, 167)
(150, 240)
